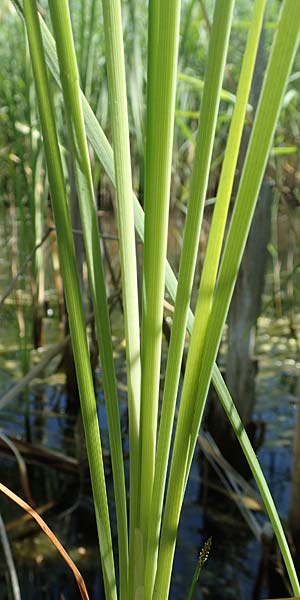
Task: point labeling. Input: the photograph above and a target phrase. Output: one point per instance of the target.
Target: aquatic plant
(146, 554)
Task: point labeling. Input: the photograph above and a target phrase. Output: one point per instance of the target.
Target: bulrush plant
(146, 542)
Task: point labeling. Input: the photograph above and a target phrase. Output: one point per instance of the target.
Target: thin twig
(9, 561)
(54, 351)
(16, 389)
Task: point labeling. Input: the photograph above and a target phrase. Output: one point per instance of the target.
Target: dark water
(231, 569)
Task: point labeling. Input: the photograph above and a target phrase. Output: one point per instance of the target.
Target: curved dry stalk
(79, 579)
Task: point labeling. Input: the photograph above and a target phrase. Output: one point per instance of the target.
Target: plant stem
(204, 145)
(120, 133)
(192, 407)
(73, 297)
(61, 21)
(163, 40)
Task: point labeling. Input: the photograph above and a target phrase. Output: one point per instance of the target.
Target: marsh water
(59, 483)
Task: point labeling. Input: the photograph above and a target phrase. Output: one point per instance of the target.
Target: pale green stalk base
(61, 21)
(203, 151)
(120, 131)
(163, 41)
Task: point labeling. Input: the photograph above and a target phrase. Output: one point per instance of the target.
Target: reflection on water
(232, 567)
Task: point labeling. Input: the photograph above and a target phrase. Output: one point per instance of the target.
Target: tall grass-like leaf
(240, 432)
(193, 399)
(105, 155)
(163, 39)
(61, 21)
(199, 84)
(104, 152)
(279, 66)
(87, 66)
(118, 109)
(216, 236)
(203, 151)
(73, 297)
(258, 475)
(135, 83)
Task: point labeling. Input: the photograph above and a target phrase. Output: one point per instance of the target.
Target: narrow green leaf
(203, 152)
(282, 55)
(216, 236)
(61, 21)
(258, 475)
(199, 85)
(161, 91)
(120, 131)
(105, 155)
(72, 291)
